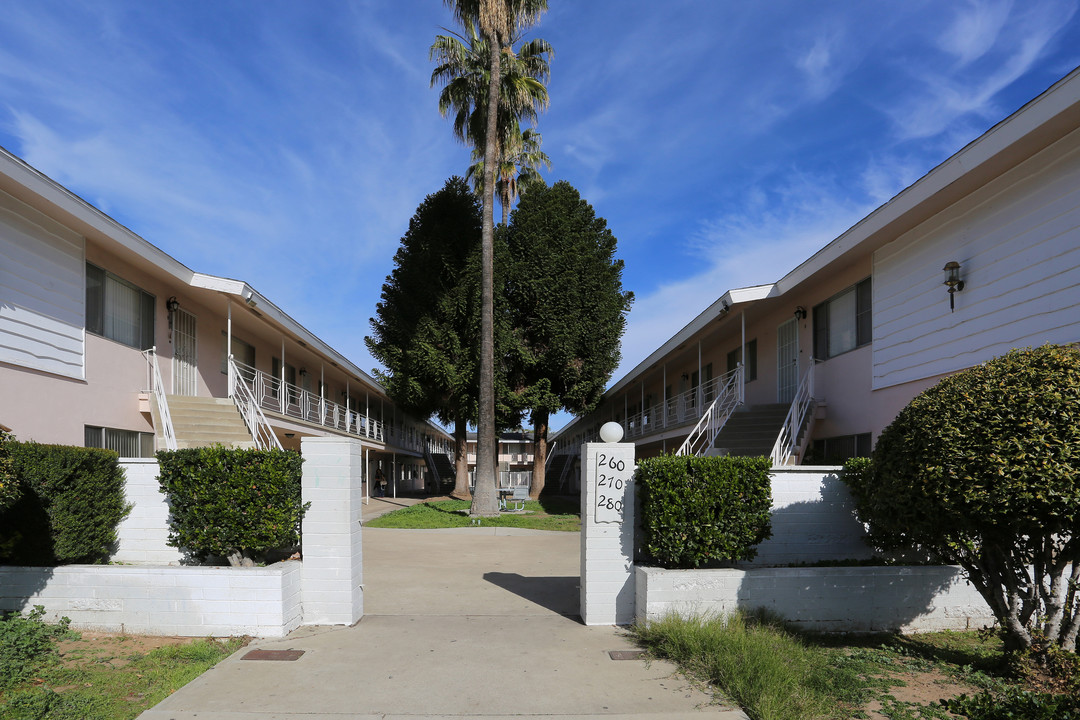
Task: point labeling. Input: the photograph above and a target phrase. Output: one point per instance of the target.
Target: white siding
(1018, 244)
(42, 292)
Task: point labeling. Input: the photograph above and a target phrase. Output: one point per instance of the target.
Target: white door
(787, 361)
(185, 356)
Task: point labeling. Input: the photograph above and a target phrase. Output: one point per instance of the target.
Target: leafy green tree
(425, 326)
(497, 21)
(983, 471)
(568, 307)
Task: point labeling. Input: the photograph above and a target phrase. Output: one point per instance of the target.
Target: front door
(787, 361)
(185, 357)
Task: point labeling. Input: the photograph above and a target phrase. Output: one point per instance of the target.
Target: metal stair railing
(254, 418)
(728, 397)
(787, 446)
(168, 433)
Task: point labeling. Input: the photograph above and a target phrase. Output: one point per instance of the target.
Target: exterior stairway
(442, 467)
(750, 431)
(202, 421)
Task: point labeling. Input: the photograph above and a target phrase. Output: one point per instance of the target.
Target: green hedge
(72, 500)
(236, 504)
(697, 510)
(10, 489)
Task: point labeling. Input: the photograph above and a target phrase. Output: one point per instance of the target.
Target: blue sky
(288, 143)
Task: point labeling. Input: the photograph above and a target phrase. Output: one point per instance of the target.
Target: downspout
(665, 395)
(283, 401)
(228, 346)
(742, 355)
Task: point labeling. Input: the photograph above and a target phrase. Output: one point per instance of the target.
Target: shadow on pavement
(558, 594)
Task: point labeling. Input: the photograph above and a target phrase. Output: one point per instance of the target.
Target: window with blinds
(118, 310)
(126, 443)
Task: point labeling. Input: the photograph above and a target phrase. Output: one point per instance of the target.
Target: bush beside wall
(72, 500)
(699, 510)
(233, 503)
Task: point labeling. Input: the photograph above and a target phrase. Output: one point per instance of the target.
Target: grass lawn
(104, 676)
(774, 674)
(547, 514)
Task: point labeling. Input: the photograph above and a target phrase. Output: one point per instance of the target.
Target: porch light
(800, 313)
(953, 281)
(172, 305)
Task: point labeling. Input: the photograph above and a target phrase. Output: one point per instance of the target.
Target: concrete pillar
(332, 581)
(607, 530)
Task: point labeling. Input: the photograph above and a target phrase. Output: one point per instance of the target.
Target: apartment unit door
(787, 361)
(185, 355)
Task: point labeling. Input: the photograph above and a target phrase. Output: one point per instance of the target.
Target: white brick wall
(332, 583)
(161, 600)
(607, 548)
(830, 599)
(144, 533)
(812, 519)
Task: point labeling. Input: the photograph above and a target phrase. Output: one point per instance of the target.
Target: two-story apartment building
(106, 340)
(979, 256)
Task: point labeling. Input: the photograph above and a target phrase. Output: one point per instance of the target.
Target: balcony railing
(686, 407)
(277, 396)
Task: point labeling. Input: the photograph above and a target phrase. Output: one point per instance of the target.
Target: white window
(843, 322)
(126, 443)
(118, 310)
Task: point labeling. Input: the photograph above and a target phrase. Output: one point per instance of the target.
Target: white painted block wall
(812, 519)
(830, 599)
(193, 601)
(333, 590)
(144, 533)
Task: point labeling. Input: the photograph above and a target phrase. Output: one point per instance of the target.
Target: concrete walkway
(478, 622)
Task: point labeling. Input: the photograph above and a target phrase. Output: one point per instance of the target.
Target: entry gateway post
(607, 529)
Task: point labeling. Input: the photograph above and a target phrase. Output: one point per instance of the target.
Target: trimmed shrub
(72, 502)
(983, 471)
(233, 503)
(697, 510)
(9, 486)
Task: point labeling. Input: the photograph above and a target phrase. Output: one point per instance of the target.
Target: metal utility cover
(626, 654)
(279, 655)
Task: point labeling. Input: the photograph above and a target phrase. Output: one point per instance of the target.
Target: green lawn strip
(557, 514)
(774, 674)
(111, 685)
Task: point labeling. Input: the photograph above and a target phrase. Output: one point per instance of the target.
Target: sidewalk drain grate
(626, 654)
(286, 655)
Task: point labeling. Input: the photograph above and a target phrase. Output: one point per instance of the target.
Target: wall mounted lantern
(800, 313)
(172, 305)
(953, 281)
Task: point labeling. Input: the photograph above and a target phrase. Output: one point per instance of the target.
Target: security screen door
(787, 361)
(185, 358)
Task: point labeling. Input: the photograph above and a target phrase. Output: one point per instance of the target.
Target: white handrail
(168, 433)
(729, 397)
(801, 404)
(260, 430)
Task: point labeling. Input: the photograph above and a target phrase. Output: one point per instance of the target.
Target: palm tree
(520, 164)
(463, 61)
(497, 22)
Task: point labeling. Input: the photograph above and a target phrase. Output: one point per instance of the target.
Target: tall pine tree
(567, 305)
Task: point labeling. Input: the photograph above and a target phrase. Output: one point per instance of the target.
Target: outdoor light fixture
(953, 281)
(172, 305)
(800, 313)
(290, 435)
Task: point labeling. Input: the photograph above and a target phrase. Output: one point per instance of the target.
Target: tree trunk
(540, 431)
(485, 502)
(461, 461)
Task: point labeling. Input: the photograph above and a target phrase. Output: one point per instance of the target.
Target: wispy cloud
(988, 61)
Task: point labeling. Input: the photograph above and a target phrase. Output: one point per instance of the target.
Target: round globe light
(611, 432)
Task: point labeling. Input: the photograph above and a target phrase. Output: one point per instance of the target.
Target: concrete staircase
(751, 430)
(203, 421)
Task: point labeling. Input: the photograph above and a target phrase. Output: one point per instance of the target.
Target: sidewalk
(467, 622)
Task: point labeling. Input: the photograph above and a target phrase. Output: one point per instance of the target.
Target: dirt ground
(922, 688)
(114, 648)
